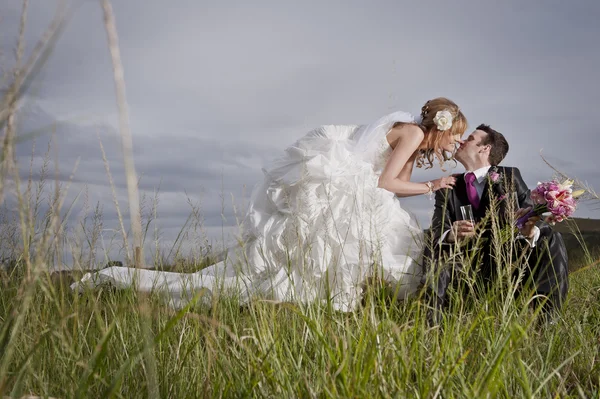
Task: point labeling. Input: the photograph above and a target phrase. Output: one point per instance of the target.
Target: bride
(326, 218)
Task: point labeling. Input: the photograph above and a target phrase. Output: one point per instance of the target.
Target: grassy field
(121, 344)
(582, 239)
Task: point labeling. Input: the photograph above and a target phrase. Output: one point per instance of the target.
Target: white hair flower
(443, 120)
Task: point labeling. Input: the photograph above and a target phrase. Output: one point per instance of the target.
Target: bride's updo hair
(433, 136)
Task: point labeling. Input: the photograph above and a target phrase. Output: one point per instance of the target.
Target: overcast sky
(218, 89)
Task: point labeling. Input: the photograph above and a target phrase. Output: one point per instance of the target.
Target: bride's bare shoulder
(402, 131)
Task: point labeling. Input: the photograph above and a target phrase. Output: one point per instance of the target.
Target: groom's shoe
(549, 315)
(548, 319)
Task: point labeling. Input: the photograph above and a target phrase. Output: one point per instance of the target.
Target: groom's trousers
(545, 268)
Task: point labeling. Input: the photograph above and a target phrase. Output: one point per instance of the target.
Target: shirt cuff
(443, 238)
(534, 239)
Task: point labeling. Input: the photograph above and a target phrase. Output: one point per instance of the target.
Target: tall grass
(92, 345)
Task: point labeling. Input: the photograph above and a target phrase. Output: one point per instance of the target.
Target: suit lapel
(485, 195)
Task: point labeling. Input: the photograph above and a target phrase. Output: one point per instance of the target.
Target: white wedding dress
(317, 229)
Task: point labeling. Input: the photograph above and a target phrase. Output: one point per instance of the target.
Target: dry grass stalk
(590, 194)
(36, 60)
(124, 127)
(11, 106)
(22, 75)
(132, 188)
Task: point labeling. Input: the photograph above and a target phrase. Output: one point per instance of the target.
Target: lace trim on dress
(384, 151)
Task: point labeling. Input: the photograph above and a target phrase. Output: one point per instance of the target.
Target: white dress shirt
(479, 183)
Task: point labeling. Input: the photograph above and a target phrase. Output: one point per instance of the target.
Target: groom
(485, 183)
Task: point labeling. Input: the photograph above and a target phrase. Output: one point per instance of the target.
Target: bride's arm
(406, 172)
(396, 173)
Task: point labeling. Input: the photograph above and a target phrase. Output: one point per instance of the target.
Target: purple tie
(471, 190)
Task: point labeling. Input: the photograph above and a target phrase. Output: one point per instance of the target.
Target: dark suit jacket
(449, 201)
(551, 277)
(447, 211)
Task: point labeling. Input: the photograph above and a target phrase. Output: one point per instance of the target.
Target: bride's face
(451, 143)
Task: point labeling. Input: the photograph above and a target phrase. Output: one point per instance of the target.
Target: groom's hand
(461, 230)
(528, 230)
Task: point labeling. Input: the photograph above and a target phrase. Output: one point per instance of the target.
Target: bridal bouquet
(556, 198)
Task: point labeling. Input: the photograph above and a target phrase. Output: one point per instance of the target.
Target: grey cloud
(188, 169)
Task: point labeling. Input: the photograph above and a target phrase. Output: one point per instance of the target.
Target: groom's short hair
(495, 139)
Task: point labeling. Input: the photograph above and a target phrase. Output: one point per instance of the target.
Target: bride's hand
(444, 182)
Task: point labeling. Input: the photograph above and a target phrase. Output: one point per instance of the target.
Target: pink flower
(561, 210)
(494, 176)
(537, 198)
(551, 195)
(555, 198)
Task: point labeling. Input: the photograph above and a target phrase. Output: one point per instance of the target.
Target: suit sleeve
(523, 192)
(524, 195)
(442, 220)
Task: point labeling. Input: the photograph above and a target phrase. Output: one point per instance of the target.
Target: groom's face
(471, 149)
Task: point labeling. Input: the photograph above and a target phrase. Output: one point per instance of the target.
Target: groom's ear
(487, 147)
